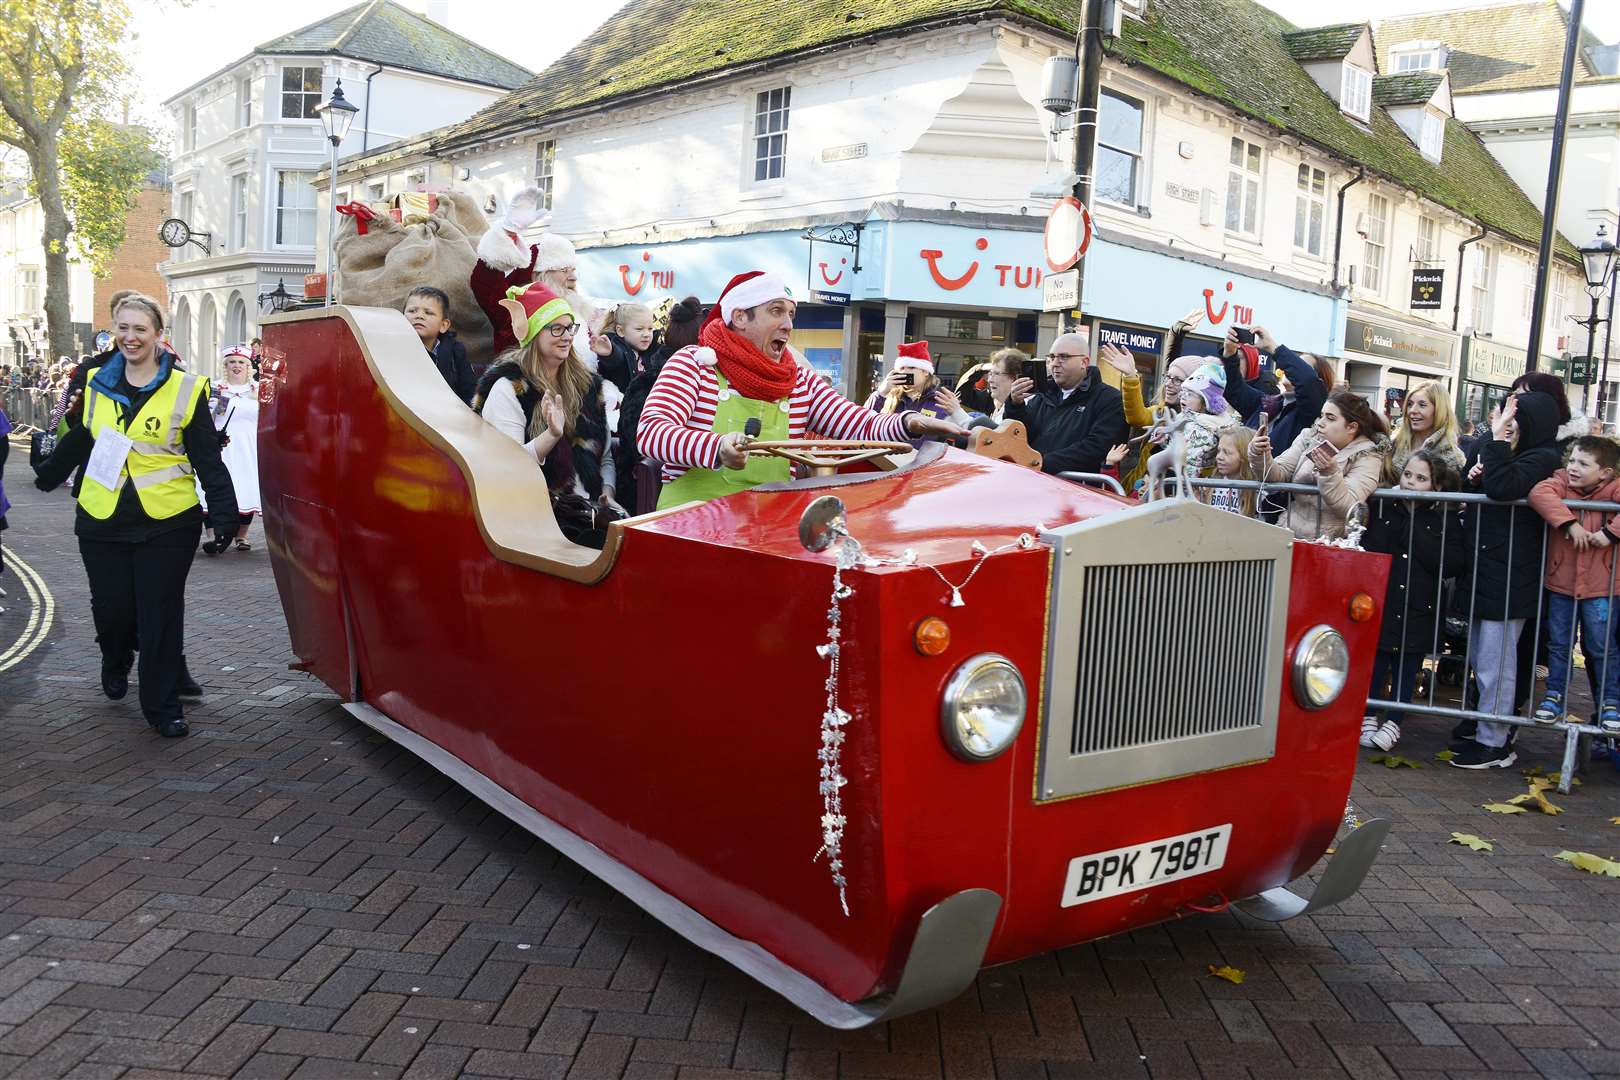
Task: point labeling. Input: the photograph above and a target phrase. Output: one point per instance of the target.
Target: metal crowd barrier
(28, 407)
(1433, 652)
(1094, 479)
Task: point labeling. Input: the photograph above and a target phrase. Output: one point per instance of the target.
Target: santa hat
(747, 290)
(1251, 362)
(1209, 383)
(914, 355)
(532, 307)
(236, 350)
(555, 253)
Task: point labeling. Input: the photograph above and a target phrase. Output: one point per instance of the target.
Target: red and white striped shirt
(677, 423)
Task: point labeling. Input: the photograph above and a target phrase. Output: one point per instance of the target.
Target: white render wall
(22, 225)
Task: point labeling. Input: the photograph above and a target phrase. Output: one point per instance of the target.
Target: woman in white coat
(235, 405)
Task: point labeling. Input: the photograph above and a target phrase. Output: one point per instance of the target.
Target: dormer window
(1355, 96)
(1433, 139)
(1417, 56)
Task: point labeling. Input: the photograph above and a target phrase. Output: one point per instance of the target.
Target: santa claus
(505, 261)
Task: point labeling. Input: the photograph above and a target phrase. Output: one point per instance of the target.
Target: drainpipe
(1338, 231)
(1456, 308)
(365, 132)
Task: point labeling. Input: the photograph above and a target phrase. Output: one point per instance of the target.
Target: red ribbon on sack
(361, 214)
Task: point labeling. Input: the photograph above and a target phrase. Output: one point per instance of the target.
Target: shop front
(969, 287)
(1384, 358)
(1488, 370)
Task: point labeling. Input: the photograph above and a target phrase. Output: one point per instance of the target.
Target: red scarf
(751, 372)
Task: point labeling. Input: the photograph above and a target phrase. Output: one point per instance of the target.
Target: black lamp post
(336, 116)
(1597, 262)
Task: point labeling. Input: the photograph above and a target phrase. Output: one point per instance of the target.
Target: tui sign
(1427, 288)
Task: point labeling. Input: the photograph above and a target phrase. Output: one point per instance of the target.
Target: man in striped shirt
(742, 370)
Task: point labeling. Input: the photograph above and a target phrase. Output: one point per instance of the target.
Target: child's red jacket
(1581, 574)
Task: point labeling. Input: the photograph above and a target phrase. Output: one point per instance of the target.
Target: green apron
(731, 412)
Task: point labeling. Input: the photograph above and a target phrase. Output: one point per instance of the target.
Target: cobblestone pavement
(284, 893)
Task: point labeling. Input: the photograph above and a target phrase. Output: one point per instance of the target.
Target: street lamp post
(336, 116)
(1597, 262)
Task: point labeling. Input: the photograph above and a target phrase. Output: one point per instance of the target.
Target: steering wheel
(824, 457)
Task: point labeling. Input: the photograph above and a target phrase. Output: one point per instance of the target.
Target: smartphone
(1244, 335)
(1035, 371)
(905, 378)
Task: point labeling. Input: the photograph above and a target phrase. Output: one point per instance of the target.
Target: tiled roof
(1509, 47)
(1323, 42)
(382, 32)
(1232, 51)
(651, 43)
(1407, 88)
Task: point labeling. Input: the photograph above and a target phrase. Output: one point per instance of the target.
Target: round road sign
(1068, 234)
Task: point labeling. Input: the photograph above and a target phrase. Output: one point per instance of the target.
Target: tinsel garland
(849, 555)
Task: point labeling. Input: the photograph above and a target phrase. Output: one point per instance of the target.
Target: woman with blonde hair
(1427, 423)
(544, 397)
(912, 386)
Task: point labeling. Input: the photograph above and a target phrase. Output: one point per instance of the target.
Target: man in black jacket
(1077, 418)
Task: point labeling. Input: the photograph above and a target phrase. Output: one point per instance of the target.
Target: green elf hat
(533, 307)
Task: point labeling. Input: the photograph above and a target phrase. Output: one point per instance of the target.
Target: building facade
(22, 286)
(249, 144)
(901, 176)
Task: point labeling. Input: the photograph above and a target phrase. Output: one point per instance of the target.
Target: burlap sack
(380, 268)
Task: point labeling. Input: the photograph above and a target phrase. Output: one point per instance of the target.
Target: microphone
(751, 428)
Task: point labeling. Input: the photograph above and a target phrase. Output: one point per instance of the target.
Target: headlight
(983, 707)
(1321, 666)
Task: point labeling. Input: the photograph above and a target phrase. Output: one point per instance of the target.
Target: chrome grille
(1134, 615)
(1164, 650)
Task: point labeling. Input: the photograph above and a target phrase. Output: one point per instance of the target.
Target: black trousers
(138, 594)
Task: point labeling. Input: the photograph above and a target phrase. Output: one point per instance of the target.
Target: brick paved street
(285, 893)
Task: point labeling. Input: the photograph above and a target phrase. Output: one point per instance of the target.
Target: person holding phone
(1078, 417)
(913, 386)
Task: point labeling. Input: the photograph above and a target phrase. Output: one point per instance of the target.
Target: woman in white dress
(235, 405)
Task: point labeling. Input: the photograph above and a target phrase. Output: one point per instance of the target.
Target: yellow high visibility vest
(157, 464)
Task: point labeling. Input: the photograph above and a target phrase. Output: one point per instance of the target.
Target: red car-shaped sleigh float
(860, 735)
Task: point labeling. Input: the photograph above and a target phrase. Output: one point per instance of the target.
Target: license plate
(1141, 866)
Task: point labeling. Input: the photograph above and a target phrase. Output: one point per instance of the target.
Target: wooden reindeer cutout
(1009, 442)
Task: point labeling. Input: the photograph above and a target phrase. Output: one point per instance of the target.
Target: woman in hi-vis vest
(146, 433)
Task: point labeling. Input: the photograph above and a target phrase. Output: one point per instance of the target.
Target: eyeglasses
(560, 329)
(1065, 356)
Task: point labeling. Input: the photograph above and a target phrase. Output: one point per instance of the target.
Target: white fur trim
(500, 252)
(556, 252)
(752, 293)
(915, 363)
(705, 356)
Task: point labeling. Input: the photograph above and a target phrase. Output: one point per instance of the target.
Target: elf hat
(747, 290)
(241, 351)
(1209, 383)
(914, 355)
(556, 253)
(532, 308)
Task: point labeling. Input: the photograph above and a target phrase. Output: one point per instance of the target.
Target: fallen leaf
(1230, 974)
(1520, 800)
(1445, 755)
(1534, 770)
(1470, 841)
(1592, 864)
(1542, 804)
(1574, 781)
(1395, 761)
(1504, 808)
(1614, 821)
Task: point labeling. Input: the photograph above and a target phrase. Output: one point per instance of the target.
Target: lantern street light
(277, 299)
(1597, 261)
(336, 116)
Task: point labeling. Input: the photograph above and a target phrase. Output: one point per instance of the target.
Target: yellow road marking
(41, 613)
